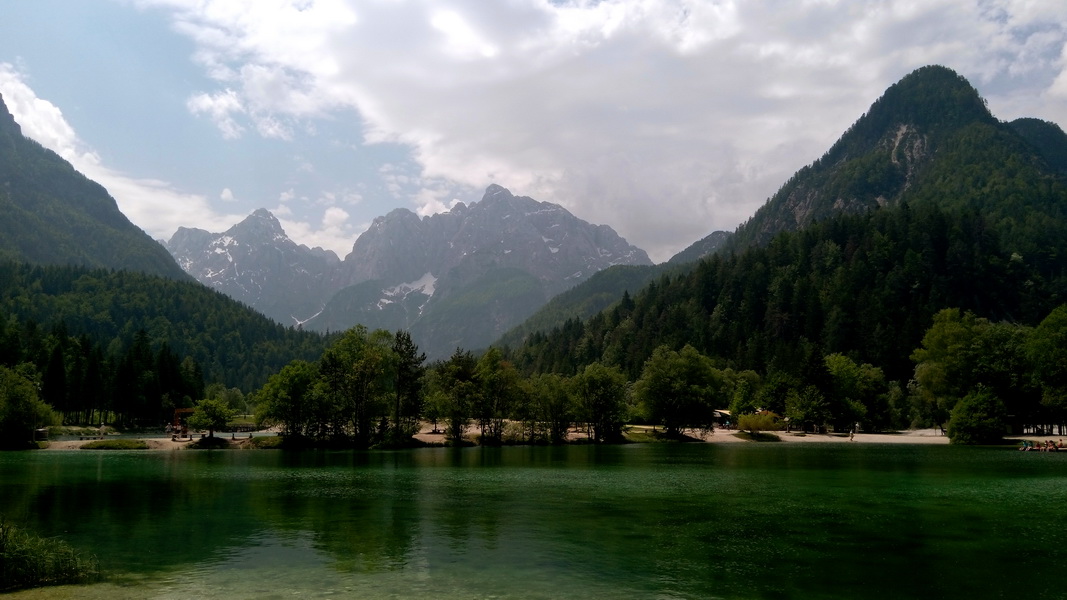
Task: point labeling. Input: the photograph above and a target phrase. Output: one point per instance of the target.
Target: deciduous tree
(600, 391)
(211, 414)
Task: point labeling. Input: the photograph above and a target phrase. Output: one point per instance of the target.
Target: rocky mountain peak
(255, 262)
(259, 227)
(495, 190)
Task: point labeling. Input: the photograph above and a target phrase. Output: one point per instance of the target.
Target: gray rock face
(501, 231)
(459, 278)
(256, 263)
(464, 277)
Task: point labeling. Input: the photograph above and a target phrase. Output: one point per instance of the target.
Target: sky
(664, 119)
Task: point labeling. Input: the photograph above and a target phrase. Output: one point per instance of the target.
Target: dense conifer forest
(131, 345)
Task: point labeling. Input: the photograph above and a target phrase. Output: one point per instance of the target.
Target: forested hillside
(606, 288)
(584, 300)
(864, 285)
(116, 310)
(929, 138)
(52, 214)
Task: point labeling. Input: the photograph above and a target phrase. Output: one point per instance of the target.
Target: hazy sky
(665, 119)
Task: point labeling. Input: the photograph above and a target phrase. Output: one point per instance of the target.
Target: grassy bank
(27, 560)
(116, 444)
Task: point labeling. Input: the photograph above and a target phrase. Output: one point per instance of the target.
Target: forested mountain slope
(231, 343)
(927, 202)
(863, 285)
(1049, 140)
(52, 214)
(606, 288)
(584, 300)
(930, 137)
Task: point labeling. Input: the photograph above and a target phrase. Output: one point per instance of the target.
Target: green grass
(115, 445)
(644, 435)
(27, 560)
(270, 442)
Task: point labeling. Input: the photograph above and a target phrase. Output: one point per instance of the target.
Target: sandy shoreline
(719, 436)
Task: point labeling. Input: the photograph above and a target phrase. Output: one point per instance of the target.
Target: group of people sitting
(1048, 446)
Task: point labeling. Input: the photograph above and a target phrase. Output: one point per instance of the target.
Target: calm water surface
(641, 521)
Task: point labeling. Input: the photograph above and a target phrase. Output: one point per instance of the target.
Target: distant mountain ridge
(501, 230)
(52, 214)
(256, 263)
(701, 248)
(459, 278)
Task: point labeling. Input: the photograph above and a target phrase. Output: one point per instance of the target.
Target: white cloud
(154, 205)
(333, 232)
(461, 39)
(664, 118)
(222, 108)
(226, 195)
(41, 120)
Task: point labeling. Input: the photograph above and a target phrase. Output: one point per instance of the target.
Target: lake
(663, 521)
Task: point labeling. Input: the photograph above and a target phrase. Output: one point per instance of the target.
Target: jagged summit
(259, 227)
(501, 229)
(495, 190)
(255, 262)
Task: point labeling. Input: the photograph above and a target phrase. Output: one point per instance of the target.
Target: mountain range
(454, 279)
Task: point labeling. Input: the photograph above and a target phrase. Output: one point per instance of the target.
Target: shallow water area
(636, 521)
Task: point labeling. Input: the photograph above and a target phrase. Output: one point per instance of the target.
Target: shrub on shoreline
(123, 444)
(27, 560)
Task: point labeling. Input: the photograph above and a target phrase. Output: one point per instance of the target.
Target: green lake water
(664, 521)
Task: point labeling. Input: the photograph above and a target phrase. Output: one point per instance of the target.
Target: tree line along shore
(974, 379)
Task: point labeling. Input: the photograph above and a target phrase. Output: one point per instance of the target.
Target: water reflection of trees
(133, 522)
(690, 520)
(365, 520)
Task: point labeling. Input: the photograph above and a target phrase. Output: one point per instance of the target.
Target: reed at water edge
(28, 560)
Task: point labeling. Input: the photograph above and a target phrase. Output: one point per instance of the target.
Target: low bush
(27, 560)
(115, 445)
(267, 442)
